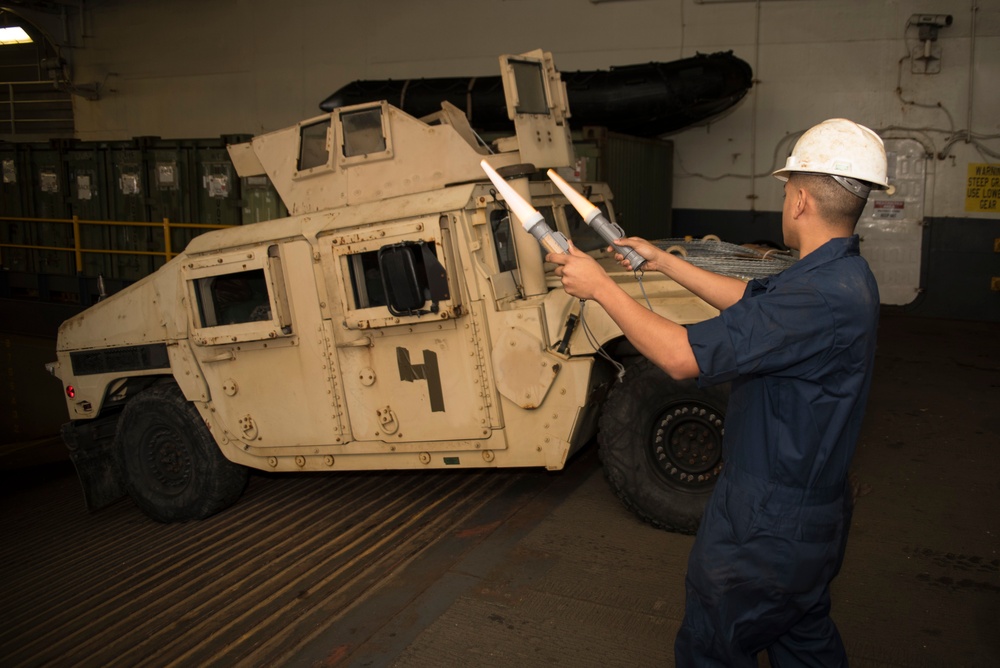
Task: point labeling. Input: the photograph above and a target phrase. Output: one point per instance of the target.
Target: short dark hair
(835, 203)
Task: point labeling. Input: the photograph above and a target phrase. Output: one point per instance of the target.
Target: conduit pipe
(972, 81)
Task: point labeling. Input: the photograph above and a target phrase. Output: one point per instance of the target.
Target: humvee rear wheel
(660, 445)
(172, 467)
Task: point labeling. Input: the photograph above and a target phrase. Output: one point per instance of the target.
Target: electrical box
(892, 226)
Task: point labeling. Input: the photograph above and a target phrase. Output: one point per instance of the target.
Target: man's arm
(662, 341)
(718, 290)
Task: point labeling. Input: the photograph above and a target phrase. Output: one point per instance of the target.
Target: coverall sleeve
(777, 331)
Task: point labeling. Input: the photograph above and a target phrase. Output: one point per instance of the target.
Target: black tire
(661, 445)
(173, 469)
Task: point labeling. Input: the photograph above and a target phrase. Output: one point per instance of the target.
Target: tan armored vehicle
(399, 318)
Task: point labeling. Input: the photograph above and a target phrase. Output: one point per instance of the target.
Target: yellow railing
(78, 250)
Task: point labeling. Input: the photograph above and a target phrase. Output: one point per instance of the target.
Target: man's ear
(800, 200)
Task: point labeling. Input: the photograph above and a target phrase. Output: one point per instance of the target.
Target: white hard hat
(852, 154)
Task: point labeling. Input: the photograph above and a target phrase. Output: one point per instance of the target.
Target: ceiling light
(14, 35)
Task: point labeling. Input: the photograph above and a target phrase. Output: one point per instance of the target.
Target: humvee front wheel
(172, 467)
(660, 443)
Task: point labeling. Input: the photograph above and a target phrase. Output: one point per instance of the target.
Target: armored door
(411, 347)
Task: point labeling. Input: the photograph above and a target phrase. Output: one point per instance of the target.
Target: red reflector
(70, 391)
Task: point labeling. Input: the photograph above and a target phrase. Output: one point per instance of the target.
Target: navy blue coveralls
(799, 349)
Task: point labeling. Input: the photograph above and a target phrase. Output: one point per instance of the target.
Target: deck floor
(508, 568)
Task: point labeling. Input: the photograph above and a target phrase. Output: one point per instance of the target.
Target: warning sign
(982, 188)
(888, 209)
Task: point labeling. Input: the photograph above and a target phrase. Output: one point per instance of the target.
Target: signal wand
(529, 217)
(609, 231)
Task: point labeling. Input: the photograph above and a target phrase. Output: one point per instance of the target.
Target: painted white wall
(197, 68)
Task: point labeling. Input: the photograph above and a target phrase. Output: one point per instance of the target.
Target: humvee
(396, 319)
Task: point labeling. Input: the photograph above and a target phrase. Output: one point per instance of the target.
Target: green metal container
(193, 181)
(640, 173)
(147, 180)
(87, 176)
(217, 201)
(170, 178)
(14, 182)
(260, 200)
(130, 187)
(49, 198)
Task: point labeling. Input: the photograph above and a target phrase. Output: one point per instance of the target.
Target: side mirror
(412, 276)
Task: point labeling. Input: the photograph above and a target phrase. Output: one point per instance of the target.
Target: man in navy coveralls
(799, 348)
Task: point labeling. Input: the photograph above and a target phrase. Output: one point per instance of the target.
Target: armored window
(363, 132)
(313, 150)
(415, 280)
(366, 280)
(503, 239)
(407, 278)
(501, 221)
(550, 220)
(238, 296)
(230, 299)
(530, 81)
(583, 235)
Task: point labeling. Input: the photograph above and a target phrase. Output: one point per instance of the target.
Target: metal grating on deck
(247, 587)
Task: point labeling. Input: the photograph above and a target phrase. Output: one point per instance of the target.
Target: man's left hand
(582, 277)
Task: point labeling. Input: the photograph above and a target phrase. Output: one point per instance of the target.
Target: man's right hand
(647, 250)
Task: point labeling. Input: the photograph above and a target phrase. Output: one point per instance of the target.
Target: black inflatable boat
(643, 100)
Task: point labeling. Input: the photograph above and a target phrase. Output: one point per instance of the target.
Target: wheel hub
(687, 444)
(168, 459)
